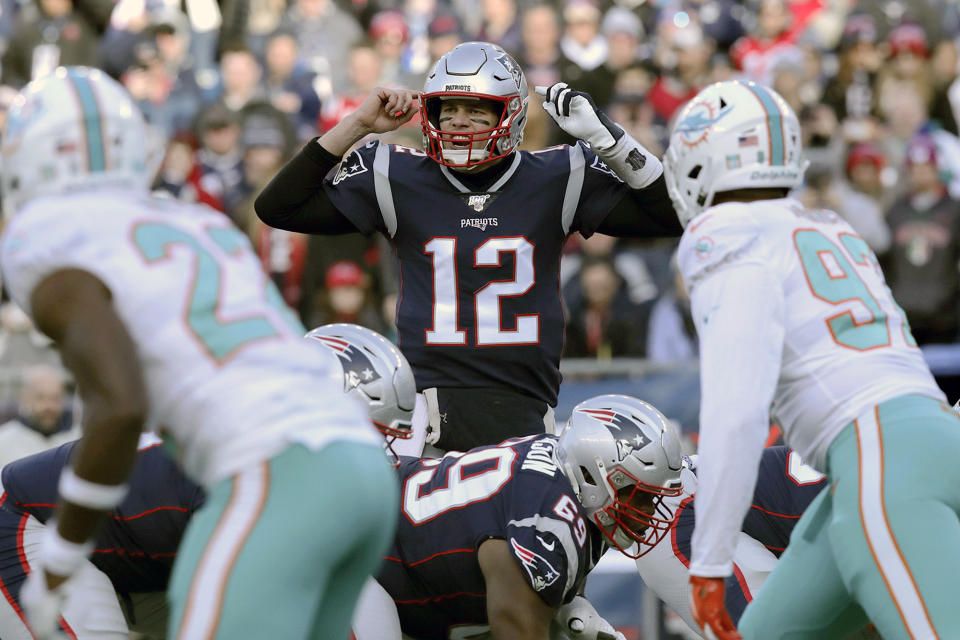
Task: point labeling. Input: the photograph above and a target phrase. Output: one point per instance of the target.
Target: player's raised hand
(386, 109)
(577, 114)
(709, 609)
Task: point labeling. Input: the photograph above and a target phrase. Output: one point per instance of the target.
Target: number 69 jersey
(846, 342)
(227, 371)
(513, 491)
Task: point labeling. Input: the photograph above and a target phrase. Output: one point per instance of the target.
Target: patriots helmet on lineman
(374, 372)
(623, 457)
(732, 135)
(46, 153)
(482, 71)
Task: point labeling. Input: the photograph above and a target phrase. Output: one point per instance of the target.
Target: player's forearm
(294, 200)
(518, 625)
(343, 136)
(643, 213)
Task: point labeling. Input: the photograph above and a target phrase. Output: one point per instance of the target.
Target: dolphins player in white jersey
(792, 311)
(162, 313)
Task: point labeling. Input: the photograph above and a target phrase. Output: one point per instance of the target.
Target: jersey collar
(459, 186)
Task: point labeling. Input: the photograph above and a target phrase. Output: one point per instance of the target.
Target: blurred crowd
(235, 87)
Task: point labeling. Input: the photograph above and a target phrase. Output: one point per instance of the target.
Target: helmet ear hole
(587, 477)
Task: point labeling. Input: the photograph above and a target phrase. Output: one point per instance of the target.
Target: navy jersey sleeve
(546, 528)
(785, 487)
(602, 190)
(352, 188)
(30, 483)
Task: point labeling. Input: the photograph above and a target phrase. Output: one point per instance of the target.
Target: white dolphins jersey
(846, 343)
(229, 376)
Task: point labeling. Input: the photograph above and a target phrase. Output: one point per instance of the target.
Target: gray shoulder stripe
(381, 184)
(571, 198)
(560, 529)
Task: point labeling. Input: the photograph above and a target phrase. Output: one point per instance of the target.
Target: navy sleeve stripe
(775, 514)
(446, 596)
(154, 510)
(441, 553)
(36, 505)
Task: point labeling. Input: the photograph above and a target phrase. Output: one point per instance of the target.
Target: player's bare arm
(514, 610)
(74, 309)
(382, 111)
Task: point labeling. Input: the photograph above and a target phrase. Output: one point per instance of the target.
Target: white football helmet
(623, 457)
(375, 372)
(75, 128)
(475, 70)
(732, 135)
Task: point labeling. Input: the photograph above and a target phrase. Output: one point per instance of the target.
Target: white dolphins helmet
(375, 372)
(478, 70)
(623, 457)
(73, 129)
(732, 135)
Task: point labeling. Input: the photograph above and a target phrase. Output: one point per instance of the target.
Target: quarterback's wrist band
(62, 557)
(635, 165)
(88, 494)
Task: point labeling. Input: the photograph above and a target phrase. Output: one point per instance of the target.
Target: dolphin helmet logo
(699, 118)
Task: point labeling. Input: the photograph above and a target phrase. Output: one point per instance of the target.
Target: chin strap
(631, 161)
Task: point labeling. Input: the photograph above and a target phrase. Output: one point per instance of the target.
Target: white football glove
(43, 606)
(578, 620)
(577, 114)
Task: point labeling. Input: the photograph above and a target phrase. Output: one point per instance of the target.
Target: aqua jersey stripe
(775, 121)
(96, 156)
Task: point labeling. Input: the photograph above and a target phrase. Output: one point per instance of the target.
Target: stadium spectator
(540, 54)
(364, 69)
(219, 159)
(50, 33)
(240, 78)
(347, 297)
(289, 84)
(44, 418)
(921, 265)
(672, 335)
(604, 322)
(866, 170)
(585, 51)
(390, 35)
(683, 55)
(325, 33)
(850, 92)
(501, 25)
(772, 40)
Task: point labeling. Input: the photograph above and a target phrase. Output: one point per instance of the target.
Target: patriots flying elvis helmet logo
(695, 126)
(624, 429)
(357, 367)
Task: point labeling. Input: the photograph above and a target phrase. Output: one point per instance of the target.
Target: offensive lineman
(165, 318)
(792, 310)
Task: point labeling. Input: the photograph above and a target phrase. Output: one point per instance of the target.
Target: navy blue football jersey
(512, 491)
(785, 487)
(138, 543)
(479, 302)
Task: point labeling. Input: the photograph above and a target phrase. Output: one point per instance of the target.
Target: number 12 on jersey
(487, 300)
